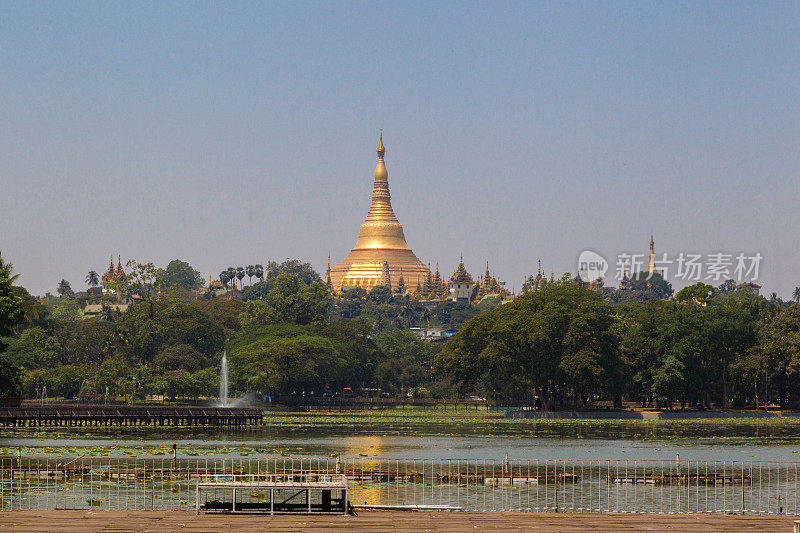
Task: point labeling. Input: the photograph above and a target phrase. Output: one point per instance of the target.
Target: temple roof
(461, 275)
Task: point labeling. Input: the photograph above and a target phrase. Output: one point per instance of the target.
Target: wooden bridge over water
(129, 415)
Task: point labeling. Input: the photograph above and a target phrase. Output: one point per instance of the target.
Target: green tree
(179, 273)
(297, 303)
(61, 309)
(796, 295)
(668, 382)
(224, 312)
(11, 380)
(92, 279)
(779, 368)
(142, 336)
(302, 270)
(555, 343)
(86, 341)
(732, 331)
(403, 362)
(34, 348)
(11, 310)
(700, 292)
(239, 275)
(654, 285)
(64, 289)
(179, 357)
(306, 364)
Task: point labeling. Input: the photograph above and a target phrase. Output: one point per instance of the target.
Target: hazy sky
(227, 133)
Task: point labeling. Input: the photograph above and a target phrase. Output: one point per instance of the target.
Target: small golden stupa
(381, 240)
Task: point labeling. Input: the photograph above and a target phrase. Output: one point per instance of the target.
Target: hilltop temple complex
(381, 256)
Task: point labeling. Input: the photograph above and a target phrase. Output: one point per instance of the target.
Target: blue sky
(229, 134)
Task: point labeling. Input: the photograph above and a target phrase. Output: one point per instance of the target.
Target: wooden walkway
(383, 521)
(129, 415)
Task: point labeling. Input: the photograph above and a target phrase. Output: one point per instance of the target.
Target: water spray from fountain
(223, 381)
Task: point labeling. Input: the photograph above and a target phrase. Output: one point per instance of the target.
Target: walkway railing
(677, 486)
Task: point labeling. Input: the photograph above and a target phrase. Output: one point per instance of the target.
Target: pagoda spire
(381, 238)
(328, 275)
(651, 261)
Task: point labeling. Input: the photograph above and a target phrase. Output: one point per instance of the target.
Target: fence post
(555, 476)
(678, 480)
(742, 481)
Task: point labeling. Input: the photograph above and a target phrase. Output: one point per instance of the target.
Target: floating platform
(32, 472)
(710, 478)
(357, 475)
(499, 477)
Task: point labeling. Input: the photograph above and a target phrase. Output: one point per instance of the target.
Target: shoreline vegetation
(560, 346)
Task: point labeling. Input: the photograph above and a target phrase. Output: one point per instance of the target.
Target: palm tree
(92, 279)
(240, 275)
(796, 295)
(223, 278)
(251, 271)
(9, 268)
(64, 289)
(231, 274)
(259, 272)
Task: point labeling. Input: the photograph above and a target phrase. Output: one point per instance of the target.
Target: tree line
(567, 346)
(282, 341)
(560, 345)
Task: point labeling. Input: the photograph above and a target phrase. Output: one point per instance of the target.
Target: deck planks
(383, 521)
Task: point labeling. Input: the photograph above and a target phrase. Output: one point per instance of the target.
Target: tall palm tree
(231, 275)
(251, 271)
(240, 275)
(92, 279)
(259, 272)
(9, 268)
(223, 278)
(796, 295)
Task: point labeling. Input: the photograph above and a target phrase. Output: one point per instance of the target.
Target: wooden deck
(129, 415)
(384, 521)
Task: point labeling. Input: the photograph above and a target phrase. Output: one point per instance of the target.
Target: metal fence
(677, 486)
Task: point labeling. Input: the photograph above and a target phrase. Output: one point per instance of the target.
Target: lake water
(418, 435)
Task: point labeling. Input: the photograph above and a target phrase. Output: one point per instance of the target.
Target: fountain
(223, 381)
(82, 392)
(44, 393)
(105, 399)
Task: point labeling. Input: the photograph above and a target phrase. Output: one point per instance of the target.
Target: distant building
(96, 310)
(434, 334)
(461, 284)
(112, 275)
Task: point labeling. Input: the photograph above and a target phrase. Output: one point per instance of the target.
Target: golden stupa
(381, 245)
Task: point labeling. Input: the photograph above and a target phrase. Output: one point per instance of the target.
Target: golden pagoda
(381, 240)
